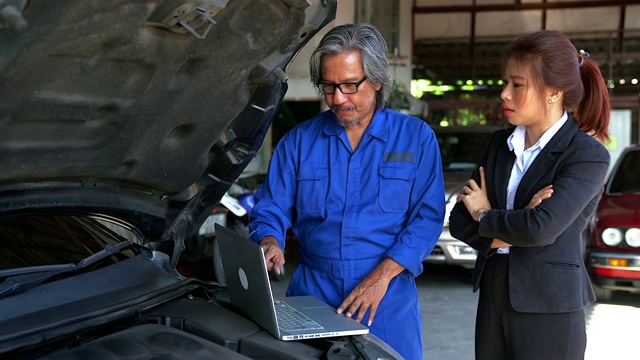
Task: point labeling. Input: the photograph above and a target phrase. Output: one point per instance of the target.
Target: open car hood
(146, 111)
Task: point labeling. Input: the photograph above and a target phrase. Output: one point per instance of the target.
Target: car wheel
(602, 294)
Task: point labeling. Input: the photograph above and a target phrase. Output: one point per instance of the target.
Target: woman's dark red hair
(557, 64)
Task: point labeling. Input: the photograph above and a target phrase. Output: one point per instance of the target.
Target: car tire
(602, 294)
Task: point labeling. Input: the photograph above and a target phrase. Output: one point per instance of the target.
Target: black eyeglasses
(345, 88)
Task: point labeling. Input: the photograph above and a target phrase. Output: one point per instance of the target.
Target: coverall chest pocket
(312, 187)
(396, 182)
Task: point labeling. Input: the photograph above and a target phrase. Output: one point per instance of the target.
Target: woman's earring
(549, 101)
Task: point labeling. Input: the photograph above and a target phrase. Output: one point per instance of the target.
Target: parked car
(460, 148)
(122, 124)
(613, 253)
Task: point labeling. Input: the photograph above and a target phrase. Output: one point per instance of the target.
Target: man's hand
(368, 294)
(273, 255)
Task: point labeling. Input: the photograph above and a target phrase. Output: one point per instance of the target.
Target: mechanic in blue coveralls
(361, 186)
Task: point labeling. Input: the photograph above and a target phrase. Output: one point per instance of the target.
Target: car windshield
(461, 151)
(626, 178)
(47, 241)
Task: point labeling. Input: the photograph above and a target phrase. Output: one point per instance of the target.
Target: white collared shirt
(525, 157)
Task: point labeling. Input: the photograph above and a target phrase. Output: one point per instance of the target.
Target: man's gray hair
(373, 51)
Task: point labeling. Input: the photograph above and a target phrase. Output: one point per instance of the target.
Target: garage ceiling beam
(616, 103)
(517, 5)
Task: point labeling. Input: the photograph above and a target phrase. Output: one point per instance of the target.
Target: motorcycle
(231, 212)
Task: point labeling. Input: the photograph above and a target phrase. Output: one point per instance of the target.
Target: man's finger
(483, 183)
(372, 314)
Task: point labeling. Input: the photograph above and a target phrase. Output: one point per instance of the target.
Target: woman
(526, 207)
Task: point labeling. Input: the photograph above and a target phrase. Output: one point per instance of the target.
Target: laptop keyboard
(290, 319)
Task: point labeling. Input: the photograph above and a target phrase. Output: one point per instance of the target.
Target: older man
(361, 186)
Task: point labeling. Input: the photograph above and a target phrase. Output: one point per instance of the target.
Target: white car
(460, 148)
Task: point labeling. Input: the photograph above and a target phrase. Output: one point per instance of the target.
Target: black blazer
(546, 262)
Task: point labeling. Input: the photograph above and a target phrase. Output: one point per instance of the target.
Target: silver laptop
(289, 318)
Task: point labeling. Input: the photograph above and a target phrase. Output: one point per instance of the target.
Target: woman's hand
(536, 200)
(497, 243)
(475, 197)
(542, 194)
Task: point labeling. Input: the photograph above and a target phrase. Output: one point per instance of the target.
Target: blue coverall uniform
(351, 209)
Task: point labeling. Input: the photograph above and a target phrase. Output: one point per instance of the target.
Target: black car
(122, 124)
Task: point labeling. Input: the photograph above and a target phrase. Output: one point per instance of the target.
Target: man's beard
(346, 123)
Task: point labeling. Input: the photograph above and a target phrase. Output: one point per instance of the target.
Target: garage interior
(459, 44)
(454, 47)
